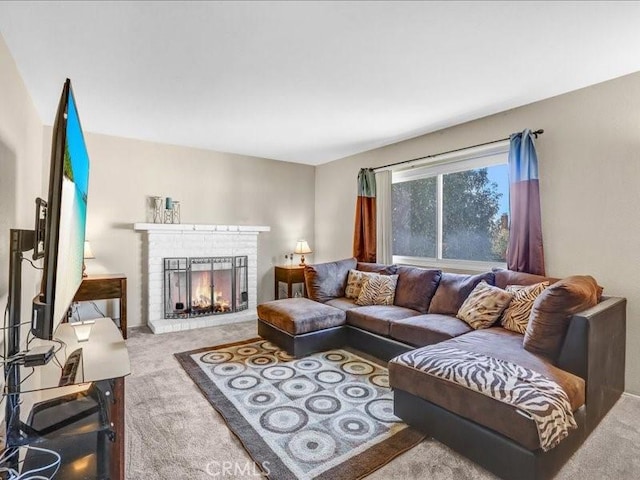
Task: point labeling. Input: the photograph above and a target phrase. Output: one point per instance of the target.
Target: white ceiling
(310, 82)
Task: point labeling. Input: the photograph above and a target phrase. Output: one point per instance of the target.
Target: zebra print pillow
(355, 281)
(516, 316)
(484, 305)
(378, 290)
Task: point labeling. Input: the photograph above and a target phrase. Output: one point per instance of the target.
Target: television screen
(65, 220)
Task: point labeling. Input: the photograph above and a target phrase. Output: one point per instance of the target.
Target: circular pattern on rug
(307, 364)
(380, 380)
(216, 357)
(282, 355)
(284, 419)
(356, 392)
(246, 351)
(358, 368)
(277, 372)
(323, 404)
(354, 426)
(312, 446)
(268, 346)
(298, 387)
(334, 357)
(261, 399)
(261, 360)
(382, 410)
(329, 376)
(228, 369)
(243, 382)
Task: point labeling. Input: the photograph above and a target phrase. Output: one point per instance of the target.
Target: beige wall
(212, 187)
(589, 161)
(20, 179)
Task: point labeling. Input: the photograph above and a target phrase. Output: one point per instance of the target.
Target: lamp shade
(87, 251)
(302, 247)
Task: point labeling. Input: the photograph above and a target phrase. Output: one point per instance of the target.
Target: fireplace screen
(200, 286)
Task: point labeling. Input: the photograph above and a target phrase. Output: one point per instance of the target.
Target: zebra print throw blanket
(541, 398)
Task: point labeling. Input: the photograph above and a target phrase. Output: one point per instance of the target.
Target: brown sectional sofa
(589, 367)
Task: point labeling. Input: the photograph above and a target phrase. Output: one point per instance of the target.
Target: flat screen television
(65, 219)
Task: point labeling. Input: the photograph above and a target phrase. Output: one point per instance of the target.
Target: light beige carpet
(173, 433)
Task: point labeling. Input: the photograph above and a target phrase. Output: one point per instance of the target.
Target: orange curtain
(364, 236)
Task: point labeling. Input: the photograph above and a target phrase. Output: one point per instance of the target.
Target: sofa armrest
(594, 349)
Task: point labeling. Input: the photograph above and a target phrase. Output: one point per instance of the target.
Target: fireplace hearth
(203, 286)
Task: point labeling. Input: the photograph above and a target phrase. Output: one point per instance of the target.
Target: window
(452, 212)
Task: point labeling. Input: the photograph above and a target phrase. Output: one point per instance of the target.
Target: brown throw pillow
(453, 290)
(378, 290)
(380, 268)
(484, 305)
(509, 277)
(326, 281)
(354, 283)
(416, 287)
(552, 311)
(516, 316)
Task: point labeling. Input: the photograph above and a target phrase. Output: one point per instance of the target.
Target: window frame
(438, 166)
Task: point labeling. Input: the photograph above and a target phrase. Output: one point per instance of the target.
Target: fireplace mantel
(188, 227)
(161, 240)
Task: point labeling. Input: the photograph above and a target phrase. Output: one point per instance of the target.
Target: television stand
(84, 425)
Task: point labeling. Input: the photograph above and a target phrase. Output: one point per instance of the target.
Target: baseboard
(632, 395)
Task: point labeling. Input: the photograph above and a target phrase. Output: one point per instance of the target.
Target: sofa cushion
(501, 417)
(552, 312)
(454, 289)
(300, 315)
(509, 277)
(416, 287)
(377, 318)
(427, 329)
(325, 281)
(516, 316)
(355, 279)
(377, 290)
(484, 306)
(342, 303)
(380, 268)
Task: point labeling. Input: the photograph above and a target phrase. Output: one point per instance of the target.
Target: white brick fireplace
(181, 240)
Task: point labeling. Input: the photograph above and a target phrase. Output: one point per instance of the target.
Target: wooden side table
(106, 287)
(289, 275)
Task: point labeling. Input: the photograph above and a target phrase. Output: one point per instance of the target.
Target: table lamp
(302, 247)
(87, 254)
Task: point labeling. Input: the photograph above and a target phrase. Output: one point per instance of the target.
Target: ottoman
(302, 326)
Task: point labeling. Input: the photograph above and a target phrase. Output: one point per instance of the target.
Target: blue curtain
(525, 252)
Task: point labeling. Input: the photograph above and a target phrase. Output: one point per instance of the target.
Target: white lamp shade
(87, 251)
(302, 247)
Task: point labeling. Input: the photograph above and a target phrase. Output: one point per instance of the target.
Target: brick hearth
(180, 240)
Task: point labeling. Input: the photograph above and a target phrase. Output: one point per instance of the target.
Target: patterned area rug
(326, 416)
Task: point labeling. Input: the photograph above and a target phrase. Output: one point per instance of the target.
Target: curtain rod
(540, 131)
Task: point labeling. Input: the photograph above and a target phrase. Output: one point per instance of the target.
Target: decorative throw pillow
(484, 305)
(453, 289)
(552, 311)
(354, 282)
(516, 316)
(378, 290)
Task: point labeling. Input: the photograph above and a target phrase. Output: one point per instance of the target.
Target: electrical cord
(32, 264)
(95, 307)
(33, 473)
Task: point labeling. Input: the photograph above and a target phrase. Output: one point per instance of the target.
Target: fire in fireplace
(199, 286)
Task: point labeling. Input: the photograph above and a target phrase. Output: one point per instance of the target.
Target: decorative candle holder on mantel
(175, 212)
(157, 209)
